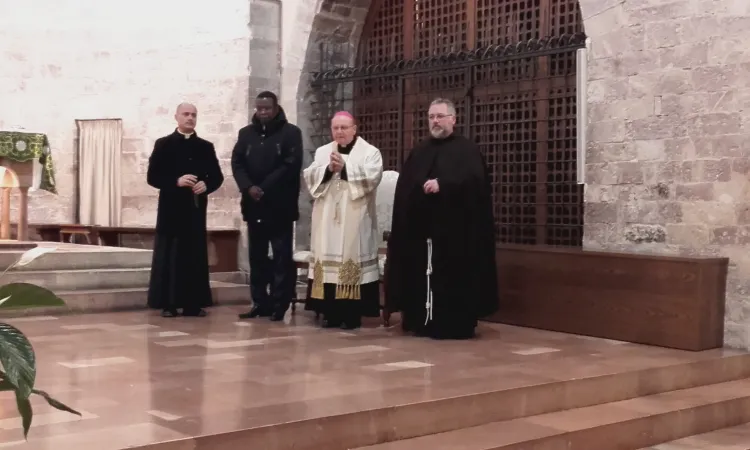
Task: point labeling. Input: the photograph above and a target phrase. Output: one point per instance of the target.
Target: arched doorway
(510, 67)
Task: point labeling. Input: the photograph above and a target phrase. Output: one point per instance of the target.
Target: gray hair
(444, 101)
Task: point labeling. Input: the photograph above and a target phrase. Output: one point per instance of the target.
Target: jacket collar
(272, 126)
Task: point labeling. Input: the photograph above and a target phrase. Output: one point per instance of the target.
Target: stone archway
(333, 40)
(343, 21)
(330, 21)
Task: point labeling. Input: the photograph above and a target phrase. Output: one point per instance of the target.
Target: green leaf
(24, 407)
(27, 295)
(18, 360)
(54, 403)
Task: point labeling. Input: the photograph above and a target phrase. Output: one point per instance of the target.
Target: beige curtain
(99, 152)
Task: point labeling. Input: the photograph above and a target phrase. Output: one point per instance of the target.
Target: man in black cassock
(266, 163)
(440, 270)
(185, 169)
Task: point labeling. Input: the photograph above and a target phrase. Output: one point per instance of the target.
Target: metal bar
(370, 20)
(469, 97)
(542, 127)
(545, 18)
(542, 147)
(317, 79)
(406, 87)
(408, 27)
(581, 114)
(401, 117)
(471, 24)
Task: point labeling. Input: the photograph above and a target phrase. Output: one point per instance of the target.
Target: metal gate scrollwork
(510, 68)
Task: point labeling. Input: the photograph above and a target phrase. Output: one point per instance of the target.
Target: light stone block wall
(136, 61)
(669, 135)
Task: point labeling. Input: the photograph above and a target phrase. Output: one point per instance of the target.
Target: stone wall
(309, 25)
(669, 134)
(90, 60)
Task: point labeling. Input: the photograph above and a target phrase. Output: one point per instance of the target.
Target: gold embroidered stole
(346, 219)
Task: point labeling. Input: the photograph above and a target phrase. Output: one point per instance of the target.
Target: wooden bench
(656, 300)
(664, 301)
(225, 241)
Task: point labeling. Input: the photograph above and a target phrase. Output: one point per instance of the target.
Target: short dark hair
(269, 95)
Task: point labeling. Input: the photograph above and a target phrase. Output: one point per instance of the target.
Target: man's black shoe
(278, 316)
(254, 312)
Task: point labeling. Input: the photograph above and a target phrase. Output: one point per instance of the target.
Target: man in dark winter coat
(266, 163)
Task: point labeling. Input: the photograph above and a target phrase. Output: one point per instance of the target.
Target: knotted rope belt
(428, 305)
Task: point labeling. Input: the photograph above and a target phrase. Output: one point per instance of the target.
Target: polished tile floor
(139, 379)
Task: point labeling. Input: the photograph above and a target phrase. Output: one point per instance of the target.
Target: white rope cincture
(428, 305)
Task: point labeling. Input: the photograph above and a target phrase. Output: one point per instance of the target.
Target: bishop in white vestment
(344, 280)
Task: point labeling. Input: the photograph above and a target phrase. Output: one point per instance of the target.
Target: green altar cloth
(23, 147)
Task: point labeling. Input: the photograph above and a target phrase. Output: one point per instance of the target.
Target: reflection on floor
(142, 381)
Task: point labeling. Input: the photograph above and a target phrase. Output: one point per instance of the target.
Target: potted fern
(17, 357)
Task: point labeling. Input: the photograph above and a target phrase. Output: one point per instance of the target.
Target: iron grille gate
(516, 101)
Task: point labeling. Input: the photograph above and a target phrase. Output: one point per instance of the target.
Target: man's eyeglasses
(438, 116)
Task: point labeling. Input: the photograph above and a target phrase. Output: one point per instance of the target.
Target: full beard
(437, 133)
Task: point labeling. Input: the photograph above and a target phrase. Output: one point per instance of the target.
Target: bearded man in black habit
(185, 170)
(267, 163)
(442, 227)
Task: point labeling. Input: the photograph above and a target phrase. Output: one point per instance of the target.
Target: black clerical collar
(345, 149)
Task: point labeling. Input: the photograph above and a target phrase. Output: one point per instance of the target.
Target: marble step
(81, 279)
(628, 424)
(121, 299)
(231, 277)
(81, 257)
(484, 398)
(115, 278)
(732, 438)
(88, 279)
